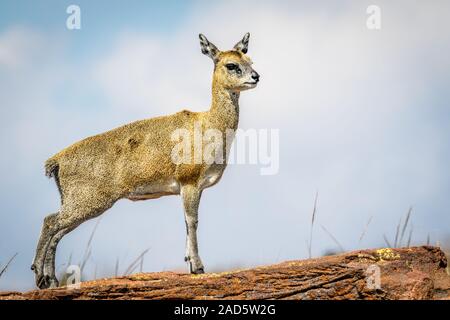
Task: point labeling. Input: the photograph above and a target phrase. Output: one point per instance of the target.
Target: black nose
(255, 76)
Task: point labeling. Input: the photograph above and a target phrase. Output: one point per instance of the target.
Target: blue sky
(100, 15)
(363, 118)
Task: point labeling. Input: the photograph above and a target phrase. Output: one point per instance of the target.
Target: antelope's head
(232, 69)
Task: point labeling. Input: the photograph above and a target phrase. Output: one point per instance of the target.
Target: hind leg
(75, 210)
(54, 228)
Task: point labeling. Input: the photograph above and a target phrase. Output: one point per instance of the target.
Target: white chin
(249, 86)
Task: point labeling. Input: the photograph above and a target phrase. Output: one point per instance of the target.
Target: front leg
(191, 199)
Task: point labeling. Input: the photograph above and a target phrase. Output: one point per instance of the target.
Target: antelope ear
(208, 48)
(243, 44)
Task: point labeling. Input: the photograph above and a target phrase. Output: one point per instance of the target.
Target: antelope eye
(231, 66)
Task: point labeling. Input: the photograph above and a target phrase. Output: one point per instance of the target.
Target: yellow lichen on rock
(387, 254)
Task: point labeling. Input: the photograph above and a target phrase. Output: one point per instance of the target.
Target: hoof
(46, 282)
(195, 265)
(198, 271)
(42, 282)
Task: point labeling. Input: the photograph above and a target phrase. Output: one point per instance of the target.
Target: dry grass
(363, 233)
(400, 233)
(88, 250)
(87, 255)
(139, 261)
(341, 248)
(313, 218)
(403, 232)
(3, 270)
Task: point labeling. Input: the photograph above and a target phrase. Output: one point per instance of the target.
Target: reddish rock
(407, 273)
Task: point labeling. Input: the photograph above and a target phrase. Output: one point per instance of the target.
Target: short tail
(51, 168)
(52, 171)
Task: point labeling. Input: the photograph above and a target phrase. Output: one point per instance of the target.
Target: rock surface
(407, 273)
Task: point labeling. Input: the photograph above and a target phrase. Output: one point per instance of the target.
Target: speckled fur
(94, 173)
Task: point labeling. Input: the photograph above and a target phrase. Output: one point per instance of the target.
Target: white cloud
(17, 45)
(150, 75)
(130, 72)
